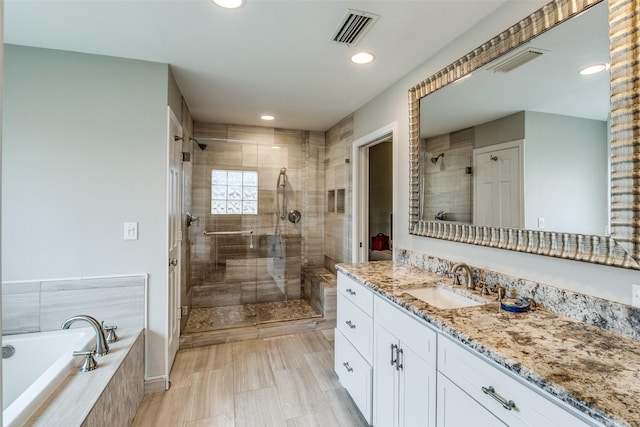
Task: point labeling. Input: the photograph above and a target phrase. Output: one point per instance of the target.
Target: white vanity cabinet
(404, 380)
(473, 390)
(401, 372)
(354, 342)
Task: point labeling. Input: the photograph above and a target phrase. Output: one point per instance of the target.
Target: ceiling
(269, 56)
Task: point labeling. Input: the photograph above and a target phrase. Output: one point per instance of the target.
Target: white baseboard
(155, 385)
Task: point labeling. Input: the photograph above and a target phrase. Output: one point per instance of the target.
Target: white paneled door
(498, 195)
(174, 234)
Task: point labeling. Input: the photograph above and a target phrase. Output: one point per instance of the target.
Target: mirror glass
(523, 141)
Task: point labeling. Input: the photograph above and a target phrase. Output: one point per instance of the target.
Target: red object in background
(380, 242)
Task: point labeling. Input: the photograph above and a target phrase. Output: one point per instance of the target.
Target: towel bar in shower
(228, 233)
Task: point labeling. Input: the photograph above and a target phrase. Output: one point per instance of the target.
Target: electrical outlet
(540, 222)
(635, 295)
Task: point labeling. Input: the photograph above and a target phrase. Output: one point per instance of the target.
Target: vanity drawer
(356, 326)
(355, 374)
(356, 293)
(472, 372)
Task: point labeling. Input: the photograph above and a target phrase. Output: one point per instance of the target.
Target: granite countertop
(593, 370)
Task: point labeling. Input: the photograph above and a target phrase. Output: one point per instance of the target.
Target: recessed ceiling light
(229, 4)
(362, 58)
(267, 117)
(593, 69)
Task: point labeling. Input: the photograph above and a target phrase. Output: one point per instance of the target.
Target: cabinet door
(385, 383)
(417, 402)
(456, 408)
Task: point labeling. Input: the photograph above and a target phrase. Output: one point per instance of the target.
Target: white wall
(391, 105)
(84, 151)
(566, 173)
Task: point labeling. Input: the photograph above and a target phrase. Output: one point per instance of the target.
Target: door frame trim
(360, 193)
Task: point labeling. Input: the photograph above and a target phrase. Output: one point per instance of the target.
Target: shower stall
(247, 254)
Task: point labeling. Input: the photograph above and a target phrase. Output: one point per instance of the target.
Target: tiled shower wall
(267, 151)
(337, 238)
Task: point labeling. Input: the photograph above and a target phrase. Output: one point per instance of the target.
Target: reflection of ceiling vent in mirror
(516, 60)
(354, 26)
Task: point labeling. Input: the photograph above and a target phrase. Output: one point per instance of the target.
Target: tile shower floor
(212, 318)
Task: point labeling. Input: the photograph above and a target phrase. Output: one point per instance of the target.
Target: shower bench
(320, 291)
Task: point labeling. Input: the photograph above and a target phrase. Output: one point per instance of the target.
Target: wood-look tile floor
(282, 381)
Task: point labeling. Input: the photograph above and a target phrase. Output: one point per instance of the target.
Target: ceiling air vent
(354, 26)
(516, 60)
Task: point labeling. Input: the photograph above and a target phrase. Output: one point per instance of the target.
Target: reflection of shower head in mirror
(434, 160)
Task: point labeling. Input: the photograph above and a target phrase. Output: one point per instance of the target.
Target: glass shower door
(224, 257)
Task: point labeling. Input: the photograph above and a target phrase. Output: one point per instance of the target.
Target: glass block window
(234, 192)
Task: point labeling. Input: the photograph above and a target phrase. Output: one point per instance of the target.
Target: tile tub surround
(112, 392)
(44, 305)
(592, 369)
(616, 317)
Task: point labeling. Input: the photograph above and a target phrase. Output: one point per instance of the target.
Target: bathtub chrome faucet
(102, 347)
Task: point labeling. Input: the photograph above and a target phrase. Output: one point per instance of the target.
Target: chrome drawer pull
(350, 291)
(350, 324)
(506, 404)
(346, 365)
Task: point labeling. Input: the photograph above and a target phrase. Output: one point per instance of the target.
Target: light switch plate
(130, 231)
(635, 295)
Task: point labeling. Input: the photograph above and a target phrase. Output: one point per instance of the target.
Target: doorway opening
(374, 200)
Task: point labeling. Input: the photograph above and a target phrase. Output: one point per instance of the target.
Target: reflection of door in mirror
(497, 196)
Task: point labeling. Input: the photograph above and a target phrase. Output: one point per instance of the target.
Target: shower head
(200, 145)
(434, 160)
(282, 179)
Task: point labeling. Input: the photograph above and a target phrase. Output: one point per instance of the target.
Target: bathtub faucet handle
(111, 333)
(89, 363)
(102, 347)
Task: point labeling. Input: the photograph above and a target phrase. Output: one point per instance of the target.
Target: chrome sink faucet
(468, 277)
(102, 347)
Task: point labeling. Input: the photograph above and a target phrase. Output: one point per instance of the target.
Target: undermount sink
(443, 298)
